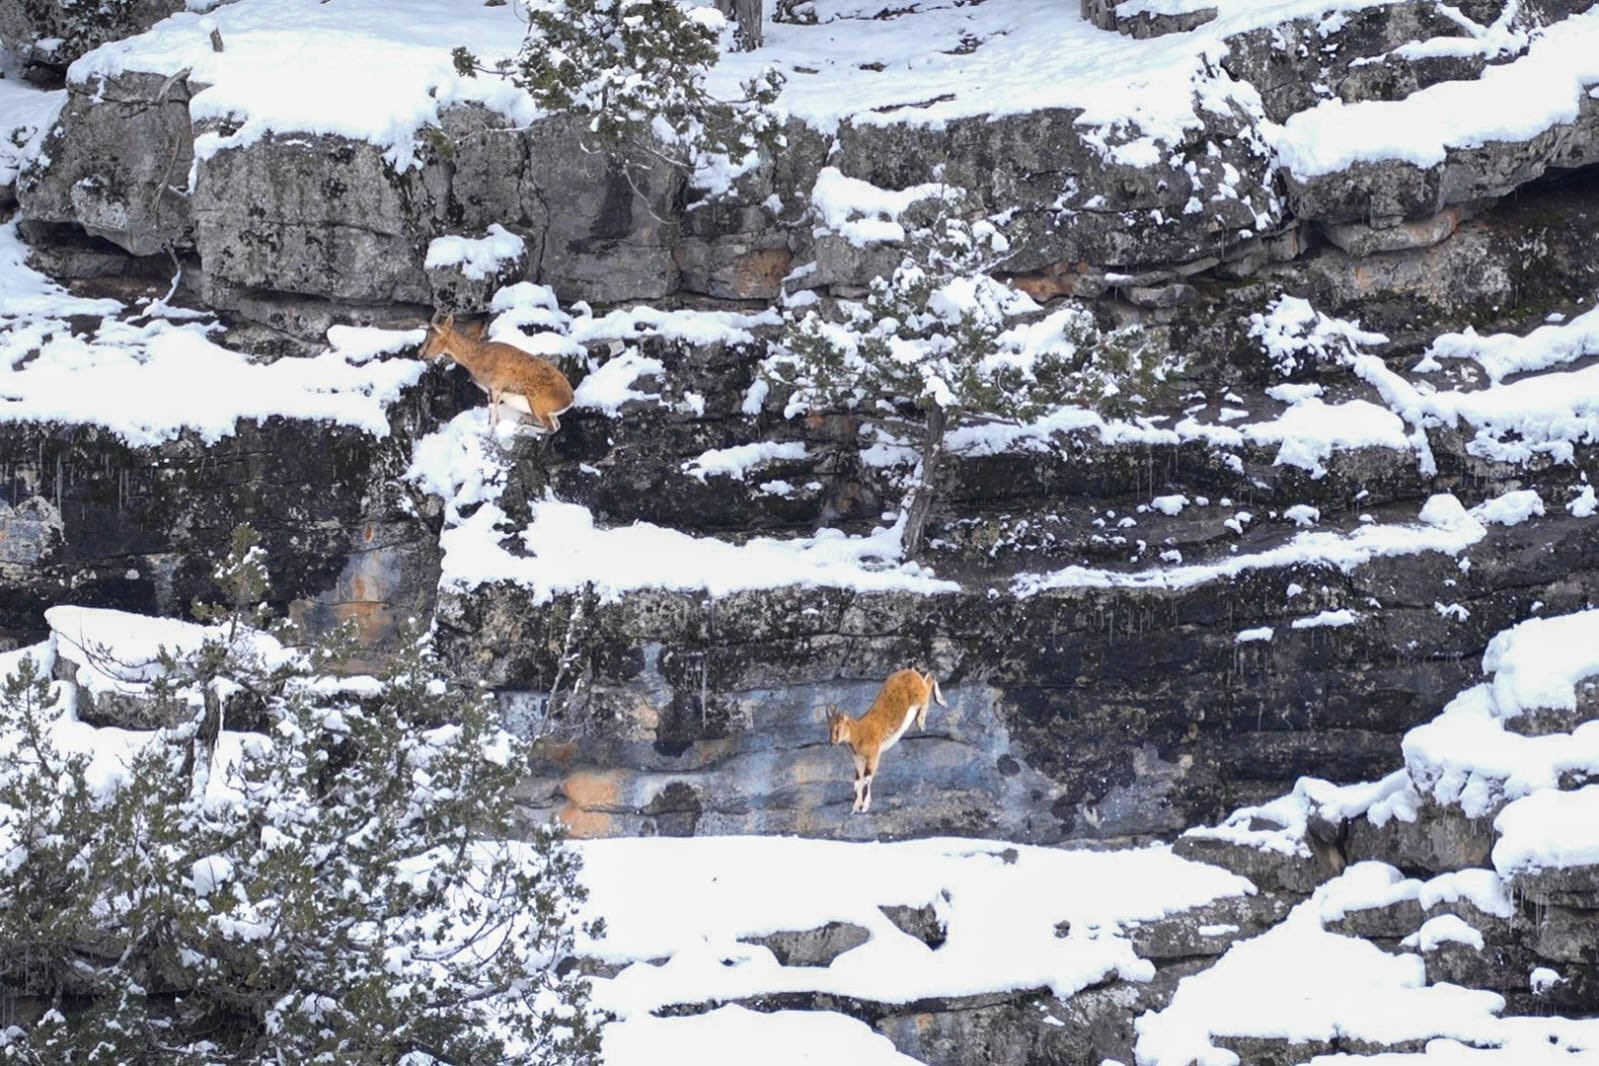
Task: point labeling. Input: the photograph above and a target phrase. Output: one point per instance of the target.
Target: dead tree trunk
(746, 16)
(920, 505)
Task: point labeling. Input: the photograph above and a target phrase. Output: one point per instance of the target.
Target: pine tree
(340, 886)
(940, 344)
(635, 70)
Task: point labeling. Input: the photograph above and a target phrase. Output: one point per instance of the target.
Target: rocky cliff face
(1121, 704)
(1141, 622)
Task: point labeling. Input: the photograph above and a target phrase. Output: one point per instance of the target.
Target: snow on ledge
(1467, 757)
(565, 551)
(1000, 904)
(1539, 663)
(1548, 830)
(862, 213)
(1344, 551)
(476, 257)
(736, 1036)
(149, 381)
(1511, 102)
(737, 461)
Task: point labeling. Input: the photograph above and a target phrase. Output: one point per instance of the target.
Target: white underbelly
(893, 738)
(516, 402)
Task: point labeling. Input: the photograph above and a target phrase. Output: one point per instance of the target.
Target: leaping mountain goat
(904, 696)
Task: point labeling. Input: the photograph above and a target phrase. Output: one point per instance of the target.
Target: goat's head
(437, 341)
(838, 723)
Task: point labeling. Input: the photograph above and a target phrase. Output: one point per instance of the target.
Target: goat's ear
(475, 330)
(437, 320)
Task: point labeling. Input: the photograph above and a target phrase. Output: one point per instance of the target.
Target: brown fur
(904, 694)
(502, 370)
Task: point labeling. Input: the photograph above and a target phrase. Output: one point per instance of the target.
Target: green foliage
(940, 342)
(635, 71)
(940, 331)
(341, 886)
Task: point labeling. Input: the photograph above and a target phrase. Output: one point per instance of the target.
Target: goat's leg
(871, 772)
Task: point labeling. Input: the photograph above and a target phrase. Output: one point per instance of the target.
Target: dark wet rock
(1209, 930)
(1271, 870)
(813, 947)
(1388, 922)
(1276, 1051)
(100, 523)
(921, 922)
(1075, 714)
(1441, 839)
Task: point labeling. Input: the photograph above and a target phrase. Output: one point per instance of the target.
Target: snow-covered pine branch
(634, 71)
(942, 338)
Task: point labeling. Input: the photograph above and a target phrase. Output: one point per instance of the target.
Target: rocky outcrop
(89, 519)
(52, 33)
(1090, 211)
(119, 162)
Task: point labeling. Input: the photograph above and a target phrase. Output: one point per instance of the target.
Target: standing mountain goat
(905, 695)
(520, 380)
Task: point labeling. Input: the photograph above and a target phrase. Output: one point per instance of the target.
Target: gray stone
(611, 225)
(847, 267)
(1561, 886)
(1032, 1027)
(920, 922)
(1208, 930)
(1162, 296)
(1500, 965)
(1071, 203)
(1389, 922)
(1147, 24)
(1271, 871)
(318, 215)
(1554, 721)
(1392, 78)
(116, 162)
(1441, 839)
(1566, 934)
(30, 533)
(742, 243)
(1293, 62)
(1276, 1051)
(1394, 188)
(812, 947)
(1362, 239)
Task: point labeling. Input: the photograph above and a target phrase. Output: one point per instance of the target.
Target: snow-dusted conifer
(635, 71)
(339, 886)
(940, 343)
